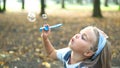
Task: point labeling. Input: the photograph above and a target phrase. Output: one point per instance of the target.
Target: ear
(88, 53)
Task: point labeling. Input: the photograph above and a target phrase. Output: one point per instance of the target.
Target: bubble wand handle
(46, 28)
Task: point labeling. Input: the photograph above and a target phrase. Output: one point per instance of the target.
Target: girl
(87, 49)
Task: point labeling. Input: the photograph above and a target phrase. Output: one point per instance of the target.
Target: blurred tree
(63, 3)
(0, 6)
(96, 9)
(116, 2)
(79, 2)
(42, 7)
(106, 3)
(4, 6)
(23, 4)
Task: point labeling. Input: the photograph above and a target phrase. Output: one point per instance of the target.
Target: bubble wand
(46, 28)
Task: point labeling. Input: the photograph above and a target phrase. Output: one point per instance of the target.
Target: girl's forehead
(89, 28)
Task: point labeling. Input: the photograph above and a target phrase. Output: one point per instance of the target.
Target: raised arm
(51, 51)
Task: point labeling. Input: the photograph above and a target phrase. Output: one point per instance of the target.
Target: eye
(84, 37)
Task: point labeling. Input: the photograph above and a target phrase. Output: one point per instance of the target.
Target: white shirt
(62, 55)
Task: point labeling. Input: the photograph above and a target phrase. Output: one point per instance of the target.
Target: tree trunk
(4, 5)
(42, 7)
(96, 9)
(106, 3)
(0, 6)
(79, 2)
(63, 3)
(23, 4)
(116, 2)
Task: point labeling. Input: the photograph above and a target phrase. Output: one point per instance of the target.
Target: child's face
(83, 41)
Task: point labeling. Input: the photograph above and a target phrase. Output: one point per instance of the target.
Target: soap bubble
(44, 16)
(31, 17)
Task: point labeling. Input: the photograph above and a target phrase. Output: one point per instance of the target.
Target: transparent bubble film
(31, 17)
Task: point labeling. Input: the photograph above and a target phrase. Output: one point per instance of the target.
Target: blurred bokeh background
(20, 42)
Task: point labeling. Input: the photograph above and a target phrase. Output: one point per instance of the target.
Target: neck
(75, 58)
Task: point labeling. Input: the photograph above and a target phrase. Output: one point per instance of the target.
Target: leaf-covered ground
(21, 45)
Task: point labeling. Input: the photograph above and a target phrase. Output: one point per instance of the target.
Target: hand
(45, 34)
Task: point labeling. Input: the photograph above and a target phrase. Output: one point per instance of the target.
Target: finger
(46, 25)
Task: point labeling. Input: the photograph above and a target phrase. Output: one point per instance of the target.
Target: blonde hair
(103, 60)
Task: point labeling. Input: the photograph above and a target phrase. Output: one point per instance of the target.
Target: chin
(70, 45)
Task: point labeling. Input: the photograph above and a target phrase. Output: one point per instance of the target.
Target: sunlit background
(34, 5)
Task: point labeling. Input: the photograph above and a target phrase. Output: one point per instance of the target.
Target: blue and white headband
(101, 44)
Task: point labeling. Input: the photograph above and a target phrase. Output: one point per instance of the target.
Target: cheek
(79, 46)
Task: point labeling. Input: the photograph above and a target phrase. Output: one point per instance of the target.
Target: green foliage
(119, 7)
